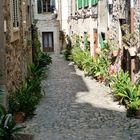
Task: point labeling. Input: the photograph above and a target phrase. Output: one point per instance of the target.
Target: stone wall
(17, 52)
(2, 48)
(137, 19)
(120, 12)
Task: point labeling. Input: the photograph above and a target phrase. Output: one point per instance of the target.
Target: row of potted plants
(99, 67)
(96, 67)
(22, 103)
(126, 92)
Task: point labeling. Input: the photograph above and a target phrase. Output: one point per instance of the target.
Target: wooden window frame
(44, 6)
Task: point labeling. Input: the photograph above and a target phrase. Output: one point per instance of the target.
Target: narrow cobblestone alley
(78, 108)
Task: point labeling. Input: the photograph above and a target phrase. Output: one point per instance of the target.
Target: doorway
(48, 43)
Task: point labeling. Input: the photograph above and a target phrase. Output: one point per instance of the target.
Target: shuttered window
(86, 3)
(39, 6)
(15, 8)
(94, 2)
(79, 4)
(102, 45)
(85, 40)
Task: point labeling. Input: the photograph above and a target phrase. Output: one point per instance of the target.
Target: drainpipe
(132, 30)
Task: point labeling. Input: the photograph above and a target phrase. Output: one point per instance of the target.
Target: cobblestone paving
(78, 108)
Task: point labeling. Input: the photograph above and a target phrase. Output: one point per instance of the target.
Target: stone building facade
(46, 13)
(137, 20)
(89, 18)
(15, 49)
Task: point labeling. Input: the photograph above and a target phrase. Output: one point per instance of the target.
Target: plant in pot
(15, 106)
(8, 127)
(115, 52)
(44, 60)
(133, 104)
(133, 109)
(22, 103)
(118, 85)
(101, 69)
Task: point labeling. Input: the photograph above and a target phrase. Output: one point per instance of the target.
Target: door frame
(47, 49)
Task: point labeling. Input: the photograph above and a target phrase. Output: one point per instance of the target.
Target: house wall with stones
(2, 48)
(137, 20)
(82, 21)
(89, 19)
(120, 14)
(17, 52)
(137, 31)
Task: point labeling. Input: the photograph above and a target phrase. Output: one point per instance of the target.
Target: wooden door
(48, 44)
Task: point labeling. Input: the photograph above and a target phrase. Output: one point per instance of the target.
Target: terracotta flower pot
(97, 51)
(137, 114)
(19, 117)
(115, 52)
(100, 79)
(133, 113)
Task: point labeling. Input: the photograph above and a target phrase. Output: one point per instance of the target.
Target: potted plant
(15, 109)
(22, 103)
(8, 127)
(133, 109)
(115, 52)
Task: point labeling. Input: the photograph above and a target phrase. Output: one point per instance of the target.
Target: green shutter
(39, 6)
(101, 42)
(86, 3)
(79, 4)
(94, 2)
(85, 40)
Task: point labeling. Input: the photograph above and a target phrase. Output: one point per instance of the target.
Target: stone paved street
(78, 108)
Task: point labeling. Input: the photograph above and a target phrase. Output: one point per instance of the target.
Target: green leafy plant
(78, 56)
(133, 104)
(119, 81)
(129, 39)
(61, 35)
(8, 128)
(44, 59)
(67, 51)
(23, 101)
(92, 66)
(102, 64)
(29, 94)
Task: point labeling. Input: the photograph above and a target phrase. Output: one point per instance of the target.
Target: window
(85, 40)
(94, 2)
(86, 3)
(102, 38)
(79, 4)
(15, 10)
(45, 6)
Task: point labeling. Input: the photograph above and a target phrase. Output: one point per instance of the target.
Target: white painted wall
(64, 15)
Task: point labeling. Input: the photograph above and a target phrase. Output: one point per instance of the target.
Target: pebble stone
(76, 107)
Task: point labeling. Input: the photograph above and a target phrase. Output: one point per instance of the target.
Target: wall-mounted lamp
(55, 13)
